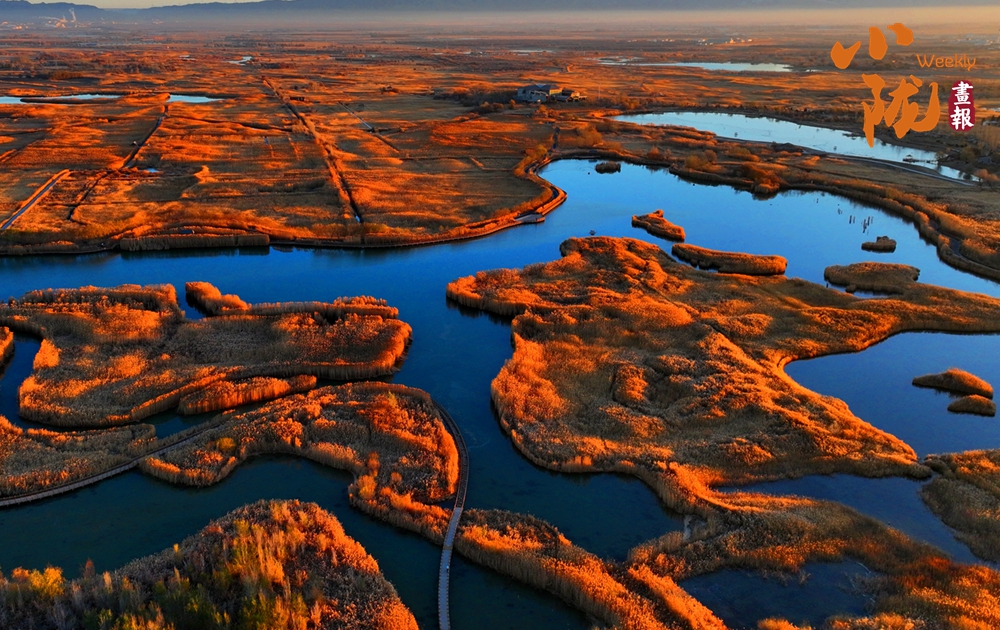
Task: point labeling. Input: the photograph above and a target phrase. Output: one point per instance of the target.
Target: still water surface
(762, 129)
(454, 356)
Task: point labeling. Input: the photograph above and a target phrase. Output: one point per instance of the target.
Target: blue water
(454, 356)
(762, 129)
(742, 598)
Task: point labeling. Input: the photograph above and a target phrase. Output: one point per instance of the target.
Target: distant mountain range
(21, 10)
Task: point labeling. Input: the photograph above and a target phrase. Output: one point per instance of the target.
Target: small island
(655, 224)
(730, 262)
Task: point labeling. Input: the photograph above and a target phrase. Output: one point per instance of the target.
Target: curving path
(444, 572)
(101, 476)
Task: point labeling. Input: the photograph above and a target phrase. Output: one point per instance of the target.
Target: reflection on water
(893, 500)
(877, 384)
(453, 357)
(761, 129)
(742, 598)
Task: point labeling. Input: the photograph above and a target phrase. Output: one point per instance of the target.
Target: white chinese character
(961, 118)
(962, 92)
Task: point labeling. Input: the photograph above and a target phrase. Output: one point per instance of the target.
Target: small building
(568, 95)
(537, 92)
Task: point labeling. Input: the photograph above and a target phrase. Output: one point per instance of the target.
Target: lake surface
(455, 354)
(762, 129)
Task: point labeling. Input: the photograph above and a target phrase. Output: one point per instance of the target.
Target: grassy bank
(286, 565)
(114, 356)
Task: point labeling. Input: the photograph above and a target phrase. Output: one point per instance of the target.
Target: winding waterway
(454, 356)
(764, 129)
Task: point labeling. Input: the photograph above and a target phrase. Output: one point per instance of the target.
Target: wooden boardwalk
(444, 572)
(101, 476)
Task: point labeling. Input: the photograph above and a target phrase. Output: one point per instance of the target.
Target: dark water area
(894, 501)
(742, 598)
(454, 356)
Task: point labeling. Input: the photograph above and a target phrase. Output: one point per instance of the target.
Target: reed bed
(881, 244)
(210, 300)
(655, 224)
(230, 394)
(272, 564)
(907, 582)
(116, 356)
(974, 404)
(389, 436)
(956, 381)
(872, 276)
(190, 241)
(535, 553)
(966, 496)
(6, 345)
(32, 460)
(730, 262)
(626, 361)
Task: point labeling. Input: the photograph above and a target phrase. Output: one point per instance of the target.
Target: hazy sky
(946, 13)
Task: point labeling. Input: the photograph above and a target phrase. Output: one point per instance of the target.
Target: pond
(763, 129)
(454, 356)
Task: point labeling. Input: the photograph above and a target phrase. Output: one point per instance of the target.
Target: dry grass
(967, 497)
(872, 276)
(730, 262)
(909, 583)
(281, 157)
(6, 345)
(208, 299)
(974, 405)
(231, 394)
(389, 436)
(881, 244)
(655, 224)
(624, 598)
(276, 565)
(957, 381)
(113, 356)
(627, 361)
(36, 459)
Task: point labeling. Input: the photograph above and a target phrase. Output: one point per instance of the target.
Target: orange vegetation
(974, 404)
(655, 224)
(36, 459)
(730, 262)
(624, 359)
(623, 597)
(872, 276)
(389, 436)
(6, 345)
(957, 381)
(880, 244)
(230, 394)
(113, 356)
(627, 361)
(267, 565)
(967, 497)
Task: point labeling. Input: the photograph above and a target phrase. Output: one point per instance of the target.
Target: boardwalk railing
(444, 619)
(101, 476)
